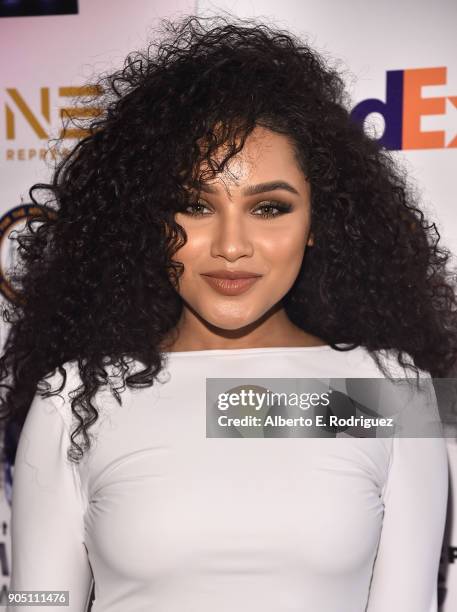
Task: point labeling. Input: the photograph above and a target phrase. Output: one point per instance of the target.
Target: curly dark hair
(96, 281)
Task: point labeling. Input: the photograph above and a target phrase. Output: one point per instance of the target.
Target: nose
(231, 239)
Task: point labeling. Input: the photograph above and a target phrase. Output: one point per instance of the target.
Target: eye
(195, 209)
(266, 210)
(269, 207)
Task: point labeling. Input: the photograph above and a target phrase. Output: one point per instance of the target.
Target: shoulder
(364, 361)
(59, 389)
(54, 390)
(390, 358)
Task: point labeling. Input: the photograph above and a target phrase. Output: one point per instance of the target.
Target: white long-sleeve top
(164, 519)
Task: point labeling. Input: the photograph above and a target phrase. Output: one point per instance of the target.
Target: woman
(224, 218)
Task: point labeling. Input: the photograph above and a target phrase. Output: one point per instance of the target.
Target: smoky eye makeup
(270, 206)
(266, 209)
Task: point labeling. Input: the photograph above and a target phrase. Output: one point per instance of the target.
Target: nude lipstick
(230, 282)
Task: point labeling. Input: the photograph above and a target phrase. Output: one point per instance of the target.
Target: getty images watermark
(334, 407)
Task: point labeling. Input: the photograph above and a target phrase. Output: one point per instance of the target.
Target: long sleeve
(47, 530)
(405, 572)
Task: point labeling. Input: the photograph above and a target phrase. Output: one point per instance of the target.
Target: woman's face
(252, 218)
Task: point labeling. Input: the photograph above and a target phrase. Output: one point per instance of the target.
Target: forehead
(266, 155)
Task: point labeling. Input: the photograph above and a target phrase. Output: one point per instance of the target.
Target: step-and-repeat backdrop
(400, 61)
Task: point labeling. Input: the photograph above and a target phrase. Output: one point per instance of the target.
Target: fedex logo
(405, 106)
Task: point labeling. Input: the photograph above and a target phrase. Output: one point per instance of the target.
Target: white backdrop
(410, 42)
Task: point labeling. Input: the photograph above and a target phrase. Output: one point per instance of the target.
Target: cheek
(193, 255)
(285, 250)
(277, 249)
(194, 249)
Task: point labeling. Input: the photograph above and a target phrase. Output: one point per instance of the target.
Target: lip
(231, 286)
(231, 274)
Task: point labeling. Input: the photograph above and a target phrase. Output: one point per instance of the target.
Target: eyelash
(282, 208)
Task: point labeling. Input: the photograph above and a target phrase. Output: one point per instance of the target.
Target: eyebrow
(256, 189)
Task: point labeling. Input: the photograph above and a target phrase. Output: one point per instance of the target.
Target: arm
(405, 571)
(47, 529)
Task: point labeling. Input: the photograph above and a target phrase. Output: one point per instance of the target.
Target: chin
(229, 323)
(233, 320)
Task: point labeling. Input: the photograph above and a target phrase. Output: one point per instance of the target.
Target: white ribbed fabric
(167, 520)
